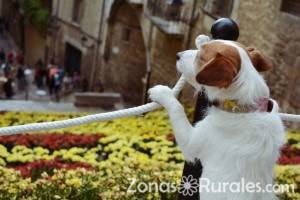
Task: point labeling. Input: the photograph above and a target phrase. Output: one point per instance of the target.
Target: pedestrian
(20, 58)
(6, 68)
(39, 74)
(57, 82)
(2, 56)
(10, 57)
(51, 72)
(21, 78)
(8, 88)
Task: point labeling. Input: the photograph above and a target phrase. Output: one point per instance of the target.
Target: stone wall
(90, 18)
(34, 45)
(277, 35)
(125, 65)
(163, 61)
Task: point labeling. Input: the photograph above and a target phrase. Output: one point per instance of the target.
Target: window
(77, 10)
(125, 34)
(218, 8)
(291, 7)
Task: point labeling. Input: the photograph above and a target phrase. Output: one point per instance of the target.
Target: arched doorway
(125, 53)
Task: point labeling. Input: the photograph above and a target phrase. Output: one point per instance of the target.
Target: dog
(239, 140)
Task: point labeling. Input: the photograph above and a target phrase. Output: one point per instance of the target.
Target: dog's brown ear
(260, 63)
(218, 72)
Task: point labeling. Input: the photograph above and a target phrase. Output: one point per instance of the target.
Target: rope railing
(106, 116)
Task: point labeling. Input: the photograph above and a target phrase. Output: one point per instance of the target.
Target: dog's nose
(178, 56)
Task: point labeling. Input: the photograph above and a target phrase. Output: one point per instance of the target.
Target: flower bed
(96, 160)
(51, 141)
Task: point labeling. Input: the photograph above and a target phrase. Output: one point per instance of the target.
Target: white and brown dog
(240, 138)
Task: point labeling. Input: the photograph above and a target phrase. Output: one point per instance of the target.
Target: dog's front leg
(181, 126)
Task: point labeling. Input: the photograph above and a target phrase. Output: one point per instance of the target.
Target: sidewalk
(34, 106)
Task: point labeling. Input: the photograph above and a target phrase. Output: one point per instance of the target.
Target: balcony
(166, 15)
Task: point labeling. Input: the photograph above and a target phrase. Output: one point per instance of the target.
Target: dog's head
(225, 68)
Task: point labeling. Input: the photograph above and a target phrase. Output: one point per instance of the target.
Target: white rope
(289, 117)
(106, 116)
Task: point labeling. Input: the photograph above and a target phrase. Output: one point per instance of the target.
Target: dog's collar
(262, 105)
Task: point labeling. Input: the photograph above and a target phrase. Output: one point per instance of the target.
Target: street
(37, 100)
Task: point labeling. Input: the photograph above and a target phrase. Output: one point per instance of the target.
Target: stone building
(170, 26)
(73, 39)
(272, 26)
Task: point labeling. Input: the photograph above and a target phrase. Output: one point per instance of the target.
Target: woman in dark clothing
(8, 88)
(39, 74)
(21, 78)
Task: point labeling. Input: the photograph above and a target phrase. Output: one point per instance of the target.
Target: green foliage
(36, 13)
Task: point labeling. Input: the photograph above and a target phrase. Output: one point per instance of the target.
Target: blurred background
(122, 47)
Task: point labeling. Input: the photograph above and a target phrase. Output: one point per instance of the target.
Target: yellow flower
(76, 182)
(2, 162)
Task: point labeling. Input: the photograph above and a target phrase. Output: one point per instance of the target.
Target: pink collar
(262, 105)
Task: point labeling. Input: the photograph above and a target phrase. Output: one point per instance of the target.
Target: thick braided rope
(107, 116)
(90, 118)
(289, 117)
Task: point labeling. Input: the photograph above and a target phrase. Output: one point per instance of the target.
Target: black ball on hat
(225, 29)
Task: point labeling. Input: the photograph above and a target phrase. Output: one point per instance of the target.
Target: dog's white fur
(231, 146)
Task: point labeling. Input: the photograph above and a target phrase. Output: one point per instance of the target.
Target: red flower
(289, 156)
(36, 168)
(51, 141)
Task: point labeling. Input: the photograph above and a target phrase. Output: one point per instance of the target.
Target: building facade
(73, 40)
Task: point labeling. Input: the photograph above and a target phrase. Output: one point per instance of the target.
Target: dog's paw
(160, 94)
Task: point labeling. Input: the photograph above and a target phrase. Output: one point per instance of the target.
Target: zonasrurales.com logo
(188, 186)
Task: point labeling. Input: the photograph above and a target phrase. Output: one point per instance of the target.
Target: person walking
(20, 58)
(21, 78)
(10, 57)
(50, 77)
(57, 82)
(39, 74)
(8, 88)
(6, 68)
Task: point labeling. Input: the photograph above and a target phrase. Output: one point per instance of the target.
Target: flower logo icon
(188, 186)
